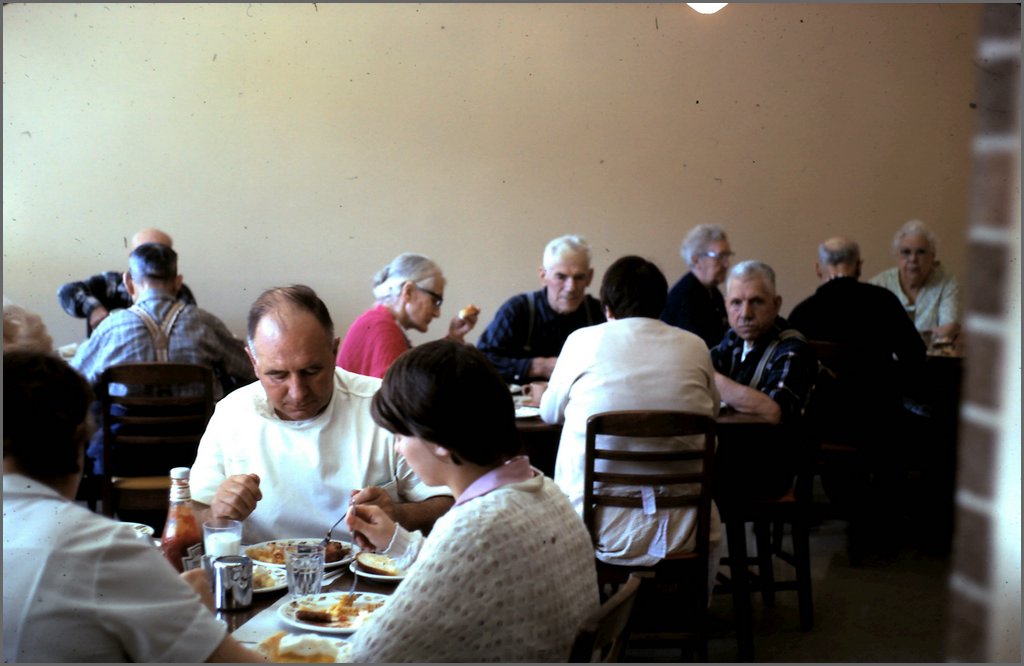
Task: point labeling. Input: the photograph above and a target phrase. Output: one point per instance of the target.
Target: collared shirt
(937, 302)
(197, 337)
(79, 299)
(789, 374)
(515, 470)
(510, 344)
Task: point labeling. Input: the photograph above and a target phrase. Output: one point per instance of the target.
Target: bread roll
(379, 564)
(468, 311)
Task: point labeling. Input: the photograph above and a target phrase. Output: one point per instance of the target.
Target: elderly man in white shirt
(287, 454)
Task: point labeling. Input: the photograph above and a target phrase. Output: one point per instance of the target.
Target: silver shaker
(232, 582)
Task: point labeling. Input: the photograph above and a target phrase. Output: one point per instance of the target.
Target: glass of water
(305, 566)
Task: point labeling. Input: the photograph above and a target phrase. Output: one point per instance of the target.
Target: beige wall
(312, 143)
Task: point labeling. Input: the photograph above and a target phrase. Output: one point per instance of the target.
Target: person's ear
(542, 273)
(778, 304)
(817, 270)
(590, 276)
(407, 290)
(252, 359)
(441, 452)
(335, 346)
(126, 278)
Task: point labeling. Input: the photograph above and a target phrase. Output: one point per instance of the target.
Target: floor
(890, 609)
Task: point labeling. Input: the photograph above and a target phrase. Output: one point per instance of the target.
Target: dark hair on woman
(449, 394)
(45, 401)
(298, 296)
(634, 287)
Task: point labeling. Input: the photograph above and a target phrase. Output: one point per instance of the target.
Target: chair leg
(742, 610)
(802, 555)
(765, 572)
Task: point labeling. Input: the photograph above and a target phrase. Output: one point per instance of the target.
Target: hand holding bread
(463, 322)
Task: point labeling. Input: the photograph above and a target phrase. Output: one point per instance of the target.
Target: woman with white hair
(694, 303)
(928, 294)
(409, 292)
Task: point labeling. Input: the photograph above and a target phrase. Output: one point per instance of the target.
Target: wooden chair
(158, 423)
(604, 633)
(686, 474)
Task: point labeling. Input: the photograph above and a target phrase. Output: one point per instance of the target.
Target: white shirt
(79, 587)
(307, 469)
(632, 363)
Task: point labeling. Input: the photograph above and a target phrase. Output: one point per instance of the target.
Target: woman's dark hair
(634, 287)
(448, 393)
(45, 401)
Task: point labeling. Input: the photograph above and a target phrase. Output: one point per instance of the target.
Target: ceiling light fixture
(706, 7)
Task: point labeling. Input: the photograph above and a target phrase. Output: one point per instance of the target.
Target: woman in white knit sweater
(508, 573)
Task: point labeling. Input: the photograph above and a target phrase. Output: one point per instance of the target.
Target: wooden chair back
(604, 633)
(599, 486)
(162, 416)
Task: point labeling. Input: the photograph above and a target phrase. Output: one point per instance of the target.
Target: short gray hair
(913, 228)
(752, 270)
(846, 252)
(406, 267)
(697, 241)
(563, 245)
(24, 330)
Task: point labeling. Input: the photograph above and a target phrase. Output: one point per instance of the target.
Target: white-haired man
(764, 367)
(528, 331)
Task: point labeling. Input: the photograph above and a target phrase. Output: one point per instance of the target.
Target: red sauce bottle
(181, 531)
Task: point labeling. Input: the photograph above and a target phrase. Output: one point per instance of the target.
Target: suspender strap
(769, 350)
(160, 333)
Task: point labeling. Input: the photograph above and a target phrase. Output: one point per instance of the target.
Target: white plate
(352, 550)
(358, 570)
(324, 601)
(278, 577)
(527, 412)
(344, 648)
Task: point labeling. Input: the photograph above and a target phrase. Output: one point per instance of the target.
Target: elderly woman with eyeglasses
(694, 303)
(409, 292)
(928, 294)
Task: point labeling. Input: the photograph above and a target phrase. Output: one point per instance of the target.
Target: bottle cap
(180, 473)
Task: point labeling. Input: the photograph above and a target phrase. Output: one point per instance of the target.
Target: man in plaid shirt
(766, 368)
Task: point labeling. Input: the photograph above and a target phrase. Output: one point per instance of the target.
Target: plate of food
(268, 579)
(286, 648)
(271, 553)
(527, 412)
(331, 612)
(376, 566)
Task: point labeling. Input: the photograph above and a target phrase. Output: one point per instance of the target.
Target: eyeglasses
(907, 252)
(438, 299)
(719, 256)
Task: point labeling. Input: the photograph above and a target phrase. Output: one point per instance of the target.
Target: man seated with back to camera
(527, 333)
(764, 367)
(288, 453)
(94, 298)
(79, 587)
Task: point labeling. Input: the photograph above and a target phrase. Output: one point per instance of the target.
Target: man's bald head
(151, 236)
(838, 257)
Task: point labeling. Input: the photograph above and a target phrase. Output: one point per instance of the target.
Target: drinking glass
(222, 537)
(305, 566)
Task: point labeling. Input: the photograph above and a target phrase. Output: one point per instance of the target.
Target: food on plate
(262, 578)
(343, 613)
(302, 648)
(273, 552)
(377, 563)
(335, 551)
(468, 311)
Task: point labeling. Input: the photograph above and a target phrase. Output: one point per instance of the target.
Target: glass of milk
(222, 537)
